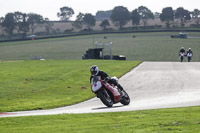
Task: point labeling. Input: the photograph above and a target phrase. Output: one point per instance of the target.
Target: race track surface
(152, 85)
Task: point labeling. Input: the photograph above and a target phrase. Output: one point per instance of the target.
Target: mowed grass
(31, 85)
(186, 120)
(145, 47)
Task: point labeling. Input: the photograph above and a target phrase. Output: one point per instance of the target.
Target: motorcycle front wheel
(105, 98)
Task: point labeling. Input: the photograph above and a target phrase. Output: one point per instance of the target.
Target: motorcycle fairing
(114, 91)
(96, 83)
(96, 86)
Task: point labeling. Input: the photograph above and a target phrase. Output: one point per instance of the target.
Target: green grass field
(145, 47)
(30, 85)
(184, 120)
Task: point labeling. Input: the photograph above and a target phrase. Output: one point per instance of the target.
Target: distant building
(156, 15)
(102, 15)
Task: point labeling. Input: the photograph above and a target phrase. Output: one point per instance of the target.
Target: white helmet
(94, 70)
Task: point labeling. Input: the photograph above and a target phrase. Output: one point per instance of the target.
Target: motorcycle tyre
(101, 95)
(126, 99)
(181, 59)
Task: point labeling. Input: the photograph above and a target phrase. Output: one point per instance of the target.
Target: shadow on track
(107, 107)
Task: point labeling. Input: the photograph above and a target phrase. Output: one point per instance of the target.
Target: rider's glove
(107, 78)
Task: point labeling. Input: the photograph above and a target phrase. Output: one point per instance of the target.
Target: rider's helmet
(94, 70)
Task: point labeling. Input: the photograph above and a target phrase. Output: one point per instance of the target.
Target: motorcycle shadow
(119, 106)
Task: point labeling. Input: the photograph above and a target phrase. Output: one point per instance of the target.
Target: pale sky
(50, 8)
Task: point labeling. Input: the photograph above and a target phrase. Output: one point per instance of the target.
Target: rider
(104, 76)
(182, 53)
(182, 50)
(189, 54)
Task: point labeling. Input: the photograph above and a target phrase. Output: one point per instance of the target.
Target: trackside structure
(98, 52)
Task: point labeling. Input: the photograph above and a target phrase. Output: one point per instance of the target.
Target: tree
(120, 16)
(167, 15)
(24, 25)
(18, 19)
(18, 16)
(183, 15)
(104, 24)
(89, 20)
(145, 14)
(1, 25)
(65, 13)
(34, 20)
(9, 23)
(196, 16)
(78, 23)
(135, 17)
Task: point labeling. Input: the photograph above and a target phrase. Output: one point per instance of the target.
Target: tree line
(23, 23)
(119, 16)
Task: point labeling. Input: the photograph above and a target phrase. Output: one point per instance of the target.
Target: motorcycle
(189, 56)
(108, 93)
(181, 56)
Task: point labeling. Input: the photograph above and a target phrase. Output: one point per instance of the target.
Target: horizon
(50, 8)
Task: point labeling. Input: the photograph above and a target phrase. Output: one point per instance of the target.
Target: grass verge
(174, 120)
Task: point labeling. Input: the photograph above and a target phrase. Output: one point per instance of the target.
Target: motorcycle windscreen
(96, 86)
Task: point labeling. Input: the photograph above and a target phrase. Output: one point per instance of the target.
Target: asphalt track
(152, 85)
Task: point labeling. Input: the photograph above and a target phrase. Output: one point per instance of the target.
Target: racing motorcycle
(108, 93)
(181, 54)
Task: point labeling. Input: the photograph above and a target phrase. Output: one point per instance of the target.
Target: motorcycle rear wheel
(105, 98)
(125, 99)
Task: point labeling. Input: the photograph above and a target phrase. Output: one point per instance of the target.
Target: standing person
(189, 54)
(182, 54)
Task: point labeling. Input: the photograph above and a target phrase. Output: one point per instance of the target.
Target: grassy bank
(145, 47)
(186, 120)
(30, 85)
